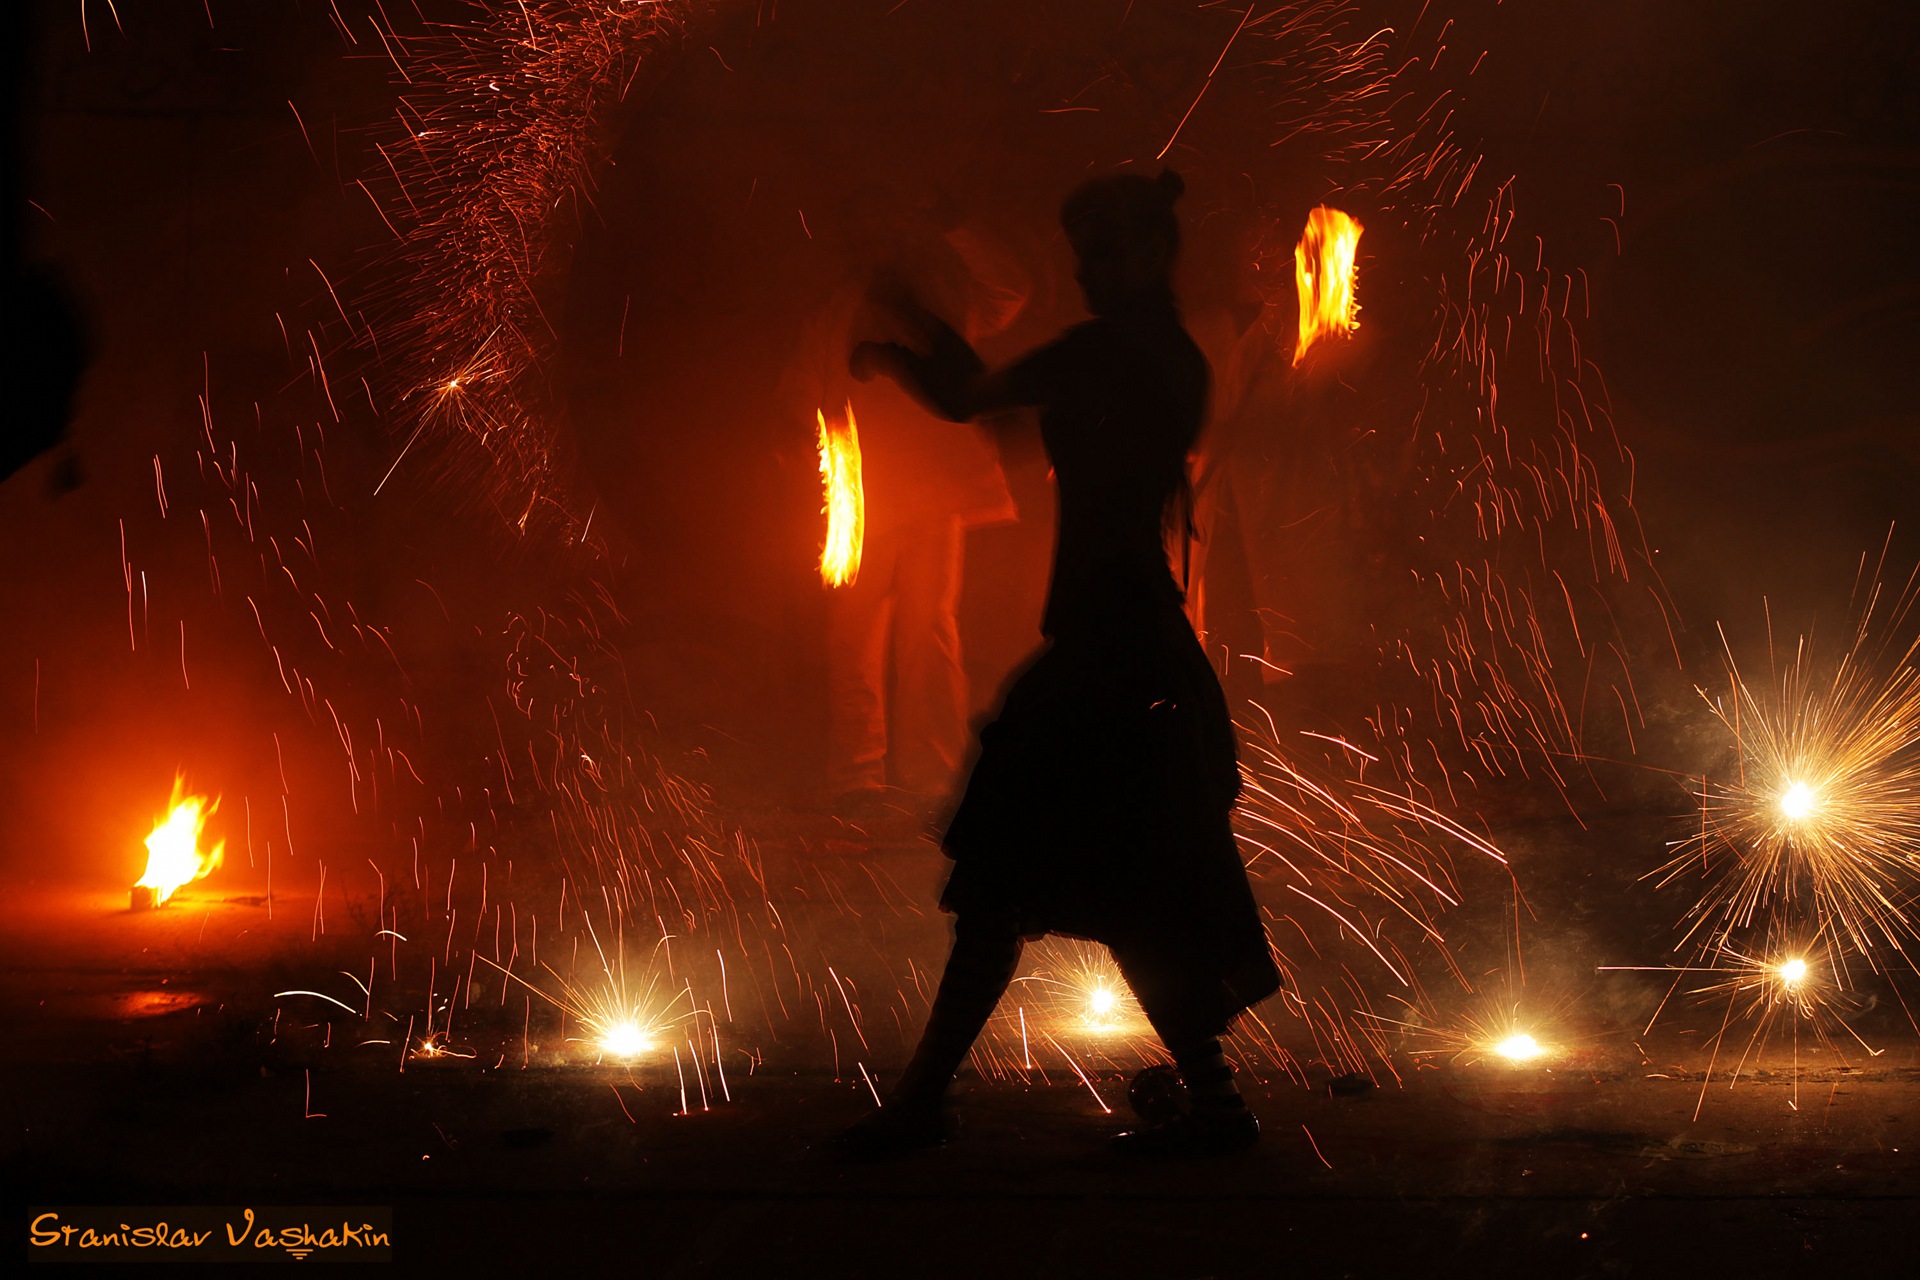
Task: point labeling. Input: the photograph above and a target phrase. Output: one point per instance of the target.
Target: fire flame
(846, 500)
(1324, 268)
(174, 857)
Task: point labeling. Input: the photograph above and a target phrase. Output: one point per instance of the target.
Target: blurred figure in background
(897, 689)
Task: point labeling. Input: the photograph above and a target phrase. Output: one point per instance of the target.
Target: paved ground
(1608, 1177)
(144, 1065)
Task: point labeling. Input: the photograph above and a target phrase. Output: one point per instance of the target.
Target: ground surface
(142, 1066)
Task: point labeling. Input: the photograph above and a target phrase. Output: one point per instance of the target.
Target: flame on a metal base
(174, 855)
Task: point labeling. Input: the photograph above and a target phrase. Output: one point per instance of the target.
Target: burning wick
(1519, 1048)
(173, 850)
(1324, 270)
(1798, 801)
(1792, 971)
(846, 499)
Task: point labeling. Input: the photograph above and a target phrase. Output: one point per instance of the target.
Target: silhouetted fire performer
(1100, 803)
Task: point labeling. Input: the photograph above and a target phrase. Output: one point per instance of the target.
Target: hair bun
(1171, 185)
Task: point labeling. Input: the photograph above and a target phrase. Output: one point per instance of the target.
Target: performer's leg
(930, 707)
(985, 953)
(1219, 1121)
(1203, 1065)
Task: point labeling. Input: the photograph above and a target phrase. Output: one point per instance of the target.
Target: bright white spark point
(1519, 1048)
(625, 1040)
(1102, 1002)
(1792, 971)
(1798, 801)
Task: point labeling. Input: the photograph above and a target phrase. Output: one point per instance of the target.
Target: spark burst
(1820, 815)
(1503, 1023)
(1076, 989)
(1519, 1047)
(1796, 978)
(624, 1016)
(1498, 1034)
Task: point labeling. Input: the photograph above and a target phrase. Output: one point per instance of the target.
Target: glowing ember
(1324, 268)
(846, 500)
(1520, 1047)
(1792, 971)
(1798, 802)
(174, 857)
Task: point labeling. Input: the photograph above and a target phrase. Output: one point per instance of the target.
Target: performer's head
(1125, 234)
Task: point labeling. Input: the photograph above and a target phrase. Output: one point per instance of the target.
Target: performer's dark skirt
(1100, 806)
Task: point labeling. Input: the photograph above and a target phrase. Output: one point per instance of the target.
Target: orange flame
(174, 857)
(1324, 268)
(846, 500)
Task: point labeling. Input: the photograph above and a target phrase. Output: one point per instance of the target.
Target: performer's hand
(868, 360)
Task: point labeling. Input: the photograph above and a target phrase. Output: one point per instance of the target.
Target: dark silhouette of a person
(1100, 802)
(50, 347)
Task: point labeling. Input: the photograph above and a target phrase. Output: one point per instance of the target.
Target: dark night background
(1753, 329)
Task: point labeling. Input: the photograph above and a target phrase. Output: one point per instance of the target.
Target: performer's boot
(1217, 1123)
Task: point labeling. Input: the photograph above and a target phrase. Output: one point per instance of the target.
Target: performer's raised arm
(949, 378)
